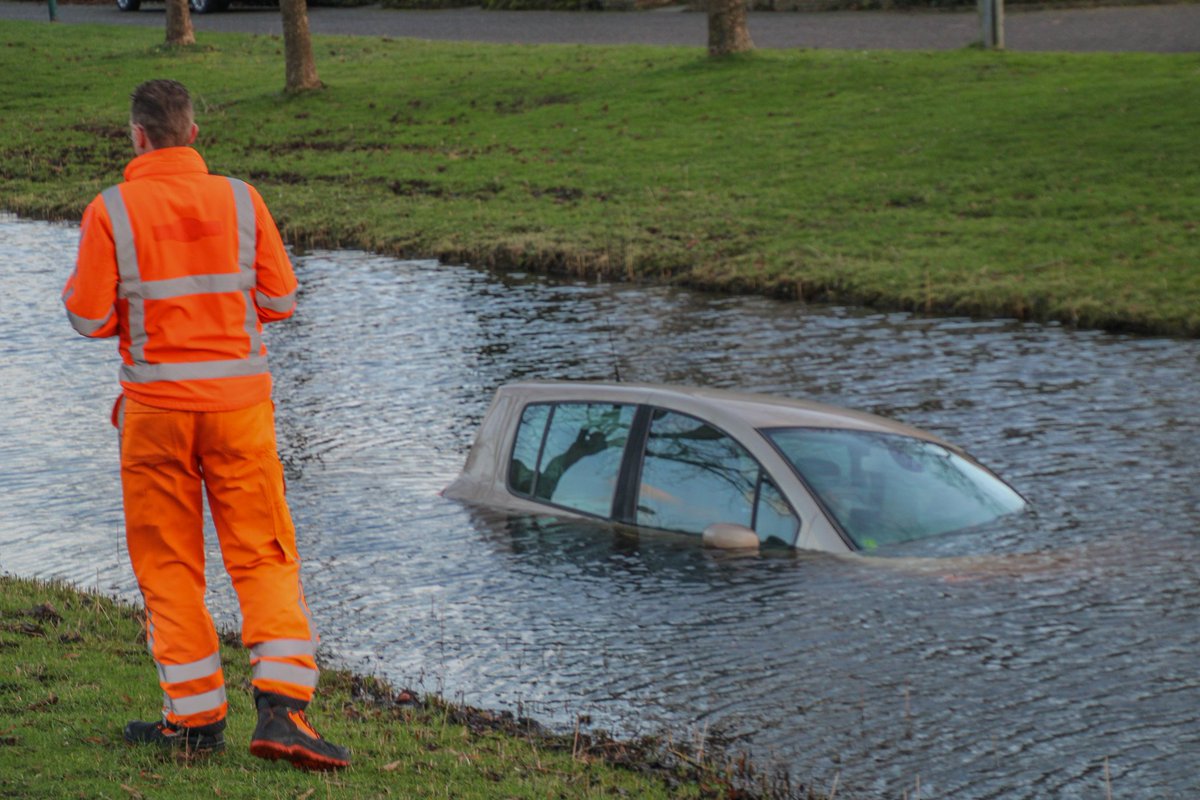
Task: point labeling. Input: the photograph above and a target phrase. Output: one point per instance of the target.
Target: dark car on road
(196, 6)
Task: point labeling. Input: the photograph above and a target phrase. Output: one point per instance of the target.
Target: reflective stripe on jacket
(184, 267)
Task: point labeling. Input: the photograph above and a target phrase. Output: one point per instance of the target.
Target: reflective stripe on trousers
(193, 692)
(137, 291)
(186, 692)
(284, 661)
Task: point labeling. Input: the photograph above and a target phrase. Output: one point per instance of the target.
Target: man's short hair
(164, 109)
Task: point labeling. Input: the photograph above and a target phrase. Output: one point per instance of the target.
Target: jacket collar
(166, 161)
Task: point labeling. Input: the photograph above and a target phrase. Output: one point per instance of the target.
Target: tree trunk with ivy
(727, 31)
(179, 24)
(301, 68)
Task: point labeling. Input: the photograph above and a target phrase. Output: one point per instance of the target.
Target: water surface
(1008, 665)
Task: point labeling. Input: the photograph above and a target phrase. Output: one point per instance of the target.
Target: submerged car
(738, 470)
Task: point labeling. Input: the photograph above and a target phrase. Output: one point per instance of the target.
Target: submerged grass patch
(73, 670)
(1040, 186)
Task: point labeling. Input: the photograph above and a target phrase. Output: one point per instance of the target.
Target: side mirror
(729, 536)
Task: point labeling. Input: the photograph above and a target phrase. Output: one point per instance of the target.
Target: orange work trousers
(168, 458)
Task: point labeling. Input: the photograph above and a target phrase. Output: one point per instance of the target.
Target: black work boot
(200, 739)
(284, 732)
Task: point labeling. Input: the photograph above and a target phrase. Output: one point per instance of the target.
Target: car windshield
(887, 488)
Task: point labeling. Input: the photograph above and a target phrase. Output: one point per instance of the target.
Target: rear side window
(569, 454)
(522, 468)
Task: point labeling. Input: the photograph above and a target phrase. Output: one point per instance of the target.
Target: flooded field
(1020, 665)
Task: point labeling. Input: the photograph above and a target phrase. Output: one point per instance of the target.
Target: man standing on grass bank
(184, 267)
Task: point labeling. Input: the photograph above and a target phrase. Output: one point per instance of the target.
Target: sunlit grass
(74, 669)
(1043, 186)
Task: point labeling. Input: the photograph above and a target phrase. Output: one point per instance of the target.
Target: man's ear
(141, 142)
(192, 134)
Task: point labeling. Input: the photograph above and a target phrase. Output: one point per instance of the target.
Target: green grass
(74, 669)
(1039, 186)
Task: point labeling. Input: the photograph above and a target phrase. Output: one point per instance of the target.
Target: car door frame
(629, 478)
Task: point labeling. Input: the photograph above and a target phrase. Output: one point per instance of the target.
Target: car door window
(693, 475)
(577, 456)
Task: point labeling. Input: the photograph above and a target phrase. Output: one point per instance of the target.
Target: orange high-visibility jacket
(184, 267)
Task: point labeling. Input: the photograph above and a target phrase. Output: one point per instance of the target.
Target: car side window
(773, 518)
(693, 475)
(581, 446)
(528, 444)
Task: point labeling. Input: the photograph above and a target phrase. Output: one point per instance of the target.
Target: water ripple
(1014, 665)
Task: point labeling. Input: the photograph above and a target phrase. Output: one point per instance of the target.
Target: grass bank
(1039, 186)
(74, 669)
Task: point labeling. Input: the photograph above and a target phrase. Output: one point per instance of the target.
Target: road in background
(1161, 28)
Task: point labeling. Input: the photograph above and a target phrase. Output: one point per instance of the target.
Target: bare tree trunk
(727, 32)
(179, 23)
(297, 47)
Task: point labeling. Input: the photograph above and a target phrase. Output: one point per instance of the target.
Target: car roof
(719, 406)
